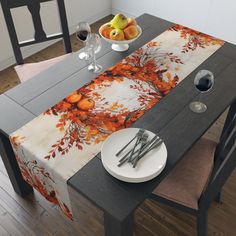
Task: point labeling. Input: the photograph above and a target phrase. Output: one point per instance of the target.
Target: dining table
(106, 199)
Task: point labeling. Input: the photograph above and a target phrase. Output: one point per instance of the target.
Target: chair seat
(29, 70)
(185, 184)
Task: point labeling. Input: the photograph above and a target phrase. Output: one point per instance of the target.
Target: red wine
(82, 34)
(204, 83)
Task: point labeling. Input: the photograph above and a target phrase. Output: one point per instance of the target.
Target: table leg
(230, 116)
(114, 227)
(19, 184)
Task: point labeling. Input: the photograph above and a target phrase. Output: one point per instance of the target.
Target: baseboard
(26, 52)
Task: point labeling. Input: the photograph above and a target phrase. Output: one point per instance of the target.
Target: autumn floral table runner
(54, 146)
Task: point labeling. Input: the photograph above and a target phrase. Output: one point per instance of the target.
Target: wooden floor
(35, 216)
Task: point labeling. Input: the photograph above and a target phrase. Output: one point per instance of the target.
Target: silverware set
(141, 146)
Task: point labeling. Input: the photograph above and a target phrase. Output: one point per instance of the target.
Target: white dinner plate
(150, 166)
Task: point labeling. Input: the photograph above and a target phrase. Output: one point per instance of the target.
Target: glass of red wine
(94, 46)
(204, 81)
(83, 31)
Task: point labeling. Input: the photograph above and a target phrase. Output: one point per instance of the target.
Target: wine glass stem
(84, 46)
(200, 97)
(94, 59)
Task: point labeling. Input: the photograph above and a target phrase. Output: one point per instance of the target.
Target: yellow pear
(119, 21)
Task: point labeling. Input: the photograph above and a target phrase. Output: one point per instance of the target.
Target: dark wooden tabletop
(179, 127)
(171, 117)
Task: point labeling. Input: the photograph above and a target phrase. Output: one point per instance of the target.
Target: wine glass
(94, 45)
(83, 31)
(203, 81)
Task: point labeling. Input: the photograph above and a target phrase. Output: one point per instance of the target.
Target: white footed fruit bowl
(123, 45)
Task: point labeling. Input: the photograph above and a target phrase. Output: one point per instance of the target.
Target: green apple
(117, 34)
(119, 21)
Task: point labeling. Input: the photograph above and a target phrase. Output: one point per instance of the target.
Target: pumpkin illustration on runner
(74, 97)
(86, 104)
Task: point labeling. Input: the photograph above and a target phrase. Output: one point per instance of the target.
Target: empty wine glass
(203, 81)
(94, 45)
(83, 31)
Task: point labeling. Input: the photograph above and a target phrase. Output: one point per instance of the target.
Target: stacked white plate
(150, 166)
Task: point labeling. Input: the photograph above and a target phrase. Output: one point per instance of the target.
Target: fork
(137, 135)
(125, 157)
(143, 141)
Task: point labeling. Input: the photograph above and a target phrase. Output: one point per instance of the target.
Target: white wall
(77, 10)
(215, 17)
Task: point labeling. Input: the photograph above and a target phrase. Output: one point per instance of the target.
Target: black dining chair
(198, 178)
(27, 71)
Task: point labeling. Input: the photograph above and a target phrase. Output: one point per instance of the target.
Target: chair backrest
(40, 35)
(225, 159)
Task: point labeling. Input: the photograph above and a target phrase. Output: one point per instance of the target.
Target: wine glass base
(84, 56)
(95, 68)
(120, 47)
(197, 107)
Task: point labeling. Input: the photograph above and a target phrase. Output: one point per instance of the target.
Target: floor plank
(35, 216)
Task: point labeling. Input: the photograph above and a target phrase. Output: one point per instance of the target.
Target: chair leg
(218, 198)
(202, 220)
